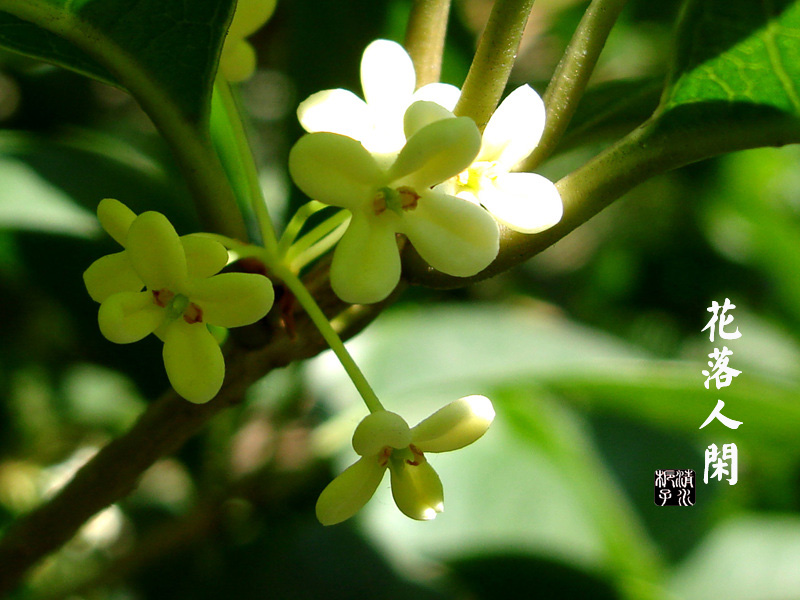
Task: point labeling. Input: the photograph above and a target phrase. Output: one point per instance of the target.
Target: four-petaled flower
(182, 295)
(384, 440)
(388, 80)
(238, 59)
(453, 235)
(524, 202)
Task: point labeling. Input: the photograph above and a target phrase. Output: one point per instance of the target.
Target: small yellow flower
(182, 295)
(384, 440)
(238, 60)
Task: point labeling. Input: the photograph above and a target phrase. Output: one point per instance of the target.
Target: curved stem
(301, 259)
(425, 33)
(296, 224)
(245, 163)
(493, 60)
(313, 237)
(572, 74)
(319, 319)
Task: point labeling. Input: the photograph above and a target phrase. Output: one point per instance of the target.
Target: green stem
(493, 60)
(296, 224)
(332, 338)
(246, 166)
(313, 237)
(425, 33)
(573, 73)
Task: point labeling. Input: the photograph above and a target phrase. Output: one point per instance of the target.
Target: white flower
(388, 80)
(384, 440)
(524, 202)
(453, 235)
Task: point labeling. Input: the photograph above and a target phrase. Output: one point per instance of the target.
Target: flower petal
(129, 316)
(443, 94)
(417, 489)
(423, 113)
(156, 252)
(453, 235)
(337, 111)
(204, 257)
(524, 202)
(387, 77)
(334, 169)
(238, 60)
(250, 15)
(350, 491)
(193, 361)
(514, 129)
(454, 426)
(232, 299)
(366, 262)
(378, 430)
(437, 152)
(110, 275)
(115, 218)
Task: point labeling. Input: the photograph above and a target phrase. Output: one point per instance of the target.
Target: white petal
(417, 490)
(423, 113)
(337, 111)
(454, 426)
(443, 94)
(514, 129)
(334, 169)
(350, 491)
(453, 235)
(524, 202)
(366, 262)
(387, 76)
(378, 430)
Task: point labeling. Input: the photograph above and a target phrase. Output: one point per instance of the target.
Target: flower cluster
(384, 440)
(401, 162)
(182, 295)
(238, 60)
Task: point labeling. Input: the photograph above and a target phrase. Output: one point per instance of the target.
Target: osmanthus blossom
(384, 440)
(453, 235)
(182, 295)
(238, 59)
(388, 80)
(524, 202)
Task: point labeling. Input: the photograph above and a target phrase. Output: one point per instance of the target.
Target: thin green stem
(572, 74)
(425, 34)
(493, 60)
(316, 234)
(332, 338)
(296, 224)
(318, 249)
(246, 164)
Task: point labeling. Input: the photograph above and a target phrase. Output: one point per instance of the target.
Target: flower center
(396, 200)
(178, 305)
(474, 177)
(411, 455)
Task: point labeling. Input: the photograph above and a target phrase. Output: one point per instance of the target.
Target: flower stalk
(425, 34)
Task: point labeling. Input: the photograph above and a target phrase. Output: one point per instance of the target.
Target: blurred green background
(591, 352)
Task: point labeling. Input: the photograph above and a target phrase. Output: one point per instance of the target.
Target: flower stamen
(163, 297)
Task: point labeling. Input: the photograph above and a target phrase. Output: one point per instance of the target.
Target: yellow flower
(238, 60)
(384, 440)
(182, 295)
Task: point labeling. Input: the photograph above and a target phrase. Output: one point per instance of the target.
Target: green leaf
(164, 52)
(737, 63)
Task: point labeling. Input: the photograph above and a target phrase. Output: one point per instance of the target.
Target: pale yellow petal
(250, 16)
(156, 252)
(334, 169)
(443, 94)
(110, 275)
(204, 257)
(423, 113)
(366, 262)
(238, 60)
(193, 361)
(524, 202)
(115, 218)
(437, 152)
(378, 430)
(337, 111)
(454, 426)
(387, 76)
(232, 299)
(514, 129)
(452, 235)
(417, 489)
(129, 316)
(350, 491)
